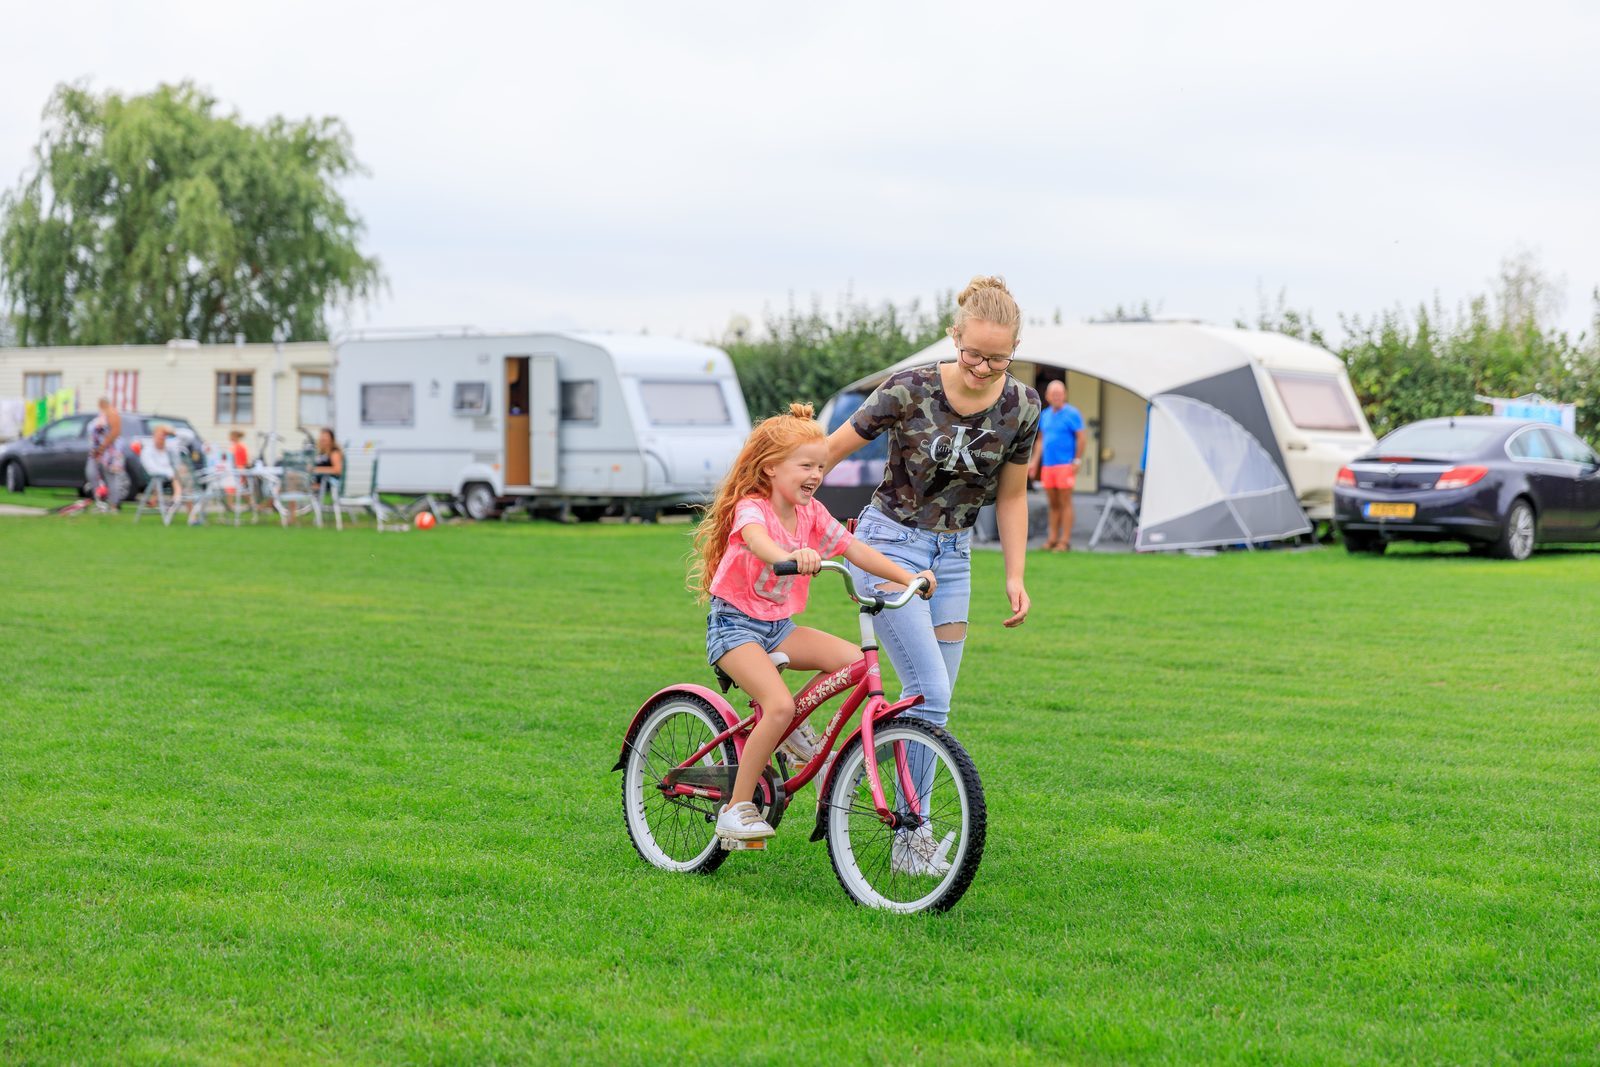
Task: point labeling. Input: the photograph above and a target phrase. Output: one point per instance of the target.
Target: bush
(810, 355)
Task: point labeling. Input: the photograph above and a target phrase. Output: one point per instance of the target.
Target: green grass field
(276, 795)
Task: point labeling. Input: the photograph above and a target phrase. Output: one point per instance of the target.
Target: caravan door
(544, 421)
(516, 424)
(533, 422)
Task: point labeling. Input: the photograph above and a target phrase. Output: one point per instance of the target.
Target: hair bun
(980, 282)
(801, 411)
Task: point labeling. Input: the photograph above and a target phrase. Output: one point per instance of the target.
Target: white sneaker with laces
(802, 745)
(915, 853)
(742, 822)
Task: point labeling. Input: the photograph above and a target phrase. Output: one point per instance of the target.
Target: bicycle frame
(863, 677)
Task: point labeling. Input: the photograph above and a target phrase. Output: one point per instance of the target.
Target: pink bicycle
(901, 807)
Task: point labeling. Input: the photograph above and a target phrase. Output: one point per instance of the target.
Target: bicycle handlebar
(790, 567)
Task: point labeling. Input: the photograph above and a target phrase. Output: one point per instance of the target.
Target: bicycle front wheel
(929, 778)
(675, 833)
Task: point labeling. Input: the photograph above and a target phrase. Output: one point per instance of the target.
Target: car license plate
(1377, 510)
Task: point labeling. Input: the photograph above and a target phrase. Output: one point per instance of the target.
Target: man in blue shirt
(1062, 440)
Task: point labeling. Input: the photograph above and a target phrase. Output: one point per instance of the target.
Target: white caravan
(575, 420)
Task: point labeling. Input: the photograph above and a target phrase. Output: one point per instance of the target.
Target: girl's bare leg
(753, 672)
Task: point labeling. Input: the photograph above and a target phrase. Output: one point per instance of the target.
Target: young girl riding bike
(765, 513)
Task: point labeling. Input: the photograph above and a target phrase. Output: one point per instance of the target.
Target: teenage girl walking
(961, 434)
(765, 513)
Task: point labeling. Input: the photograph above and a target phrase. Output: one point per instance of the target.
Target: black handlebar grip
(786, 568)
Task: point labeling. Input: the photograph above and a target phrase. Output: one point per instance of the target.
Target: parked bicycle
(901, 806)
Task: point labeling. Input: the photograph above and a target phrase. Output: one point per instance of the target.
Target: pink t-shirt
(744, 580)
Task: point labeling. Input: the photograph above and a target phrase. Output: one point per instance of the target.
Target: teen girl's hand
(1019, 602)
(933, 583)
(809, 560)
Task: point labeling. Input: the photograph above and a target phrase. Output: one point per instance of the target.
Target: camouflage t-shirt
(943, 466)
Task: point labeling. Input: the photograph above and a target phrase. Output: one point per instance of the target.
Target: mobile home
(576, 420)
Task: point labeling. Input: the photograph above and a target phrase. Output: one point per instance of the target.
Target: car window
(1531, 444)
(175, 425)
(1436, 439)
(66, 429)
(845, 406)
(1571, 449)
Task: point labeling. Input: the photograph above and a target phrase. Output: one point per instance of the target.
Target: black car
(1500, 485)
(57, 454)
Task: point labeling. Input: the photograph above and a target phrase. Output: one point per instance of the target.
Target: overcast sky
(667, 166)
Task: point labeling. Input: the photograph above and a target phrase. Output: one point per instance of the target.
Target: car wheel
(16, 481)
(479, 503)
(1520, 531)
(1368, 544)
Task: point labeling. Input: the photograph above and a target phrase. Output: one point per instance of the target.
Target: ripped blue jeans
(925, 664)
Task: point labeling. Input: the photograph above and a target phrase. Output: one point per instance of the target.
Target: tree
(154, 217)
(810, 355)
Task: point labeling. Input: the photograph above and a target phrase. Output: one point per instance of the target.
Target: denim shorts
(727, 628)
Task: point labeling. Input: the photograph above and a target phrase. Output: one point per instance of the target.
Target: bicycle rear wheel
(673, 833)
(927, 774)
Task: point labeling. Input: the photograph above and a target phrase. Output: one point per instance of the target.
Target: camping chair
(212, 485)
(357, 491)
(158, 468)
(1119, 517)
(295, 489)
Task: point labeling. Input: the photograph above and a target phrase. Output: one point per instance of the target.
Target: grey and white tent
(1208, 482)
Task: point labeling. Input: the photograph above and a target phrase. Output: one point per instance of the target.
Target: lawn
(292, 795)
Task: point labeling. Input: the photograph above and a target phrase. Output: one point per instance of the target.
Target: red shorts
(1059, 476)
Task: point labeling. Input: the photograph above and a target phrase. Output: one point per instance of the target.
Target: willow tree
(152, 217)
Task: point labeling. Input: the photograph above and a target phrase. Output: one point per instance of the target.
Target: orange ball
(138, 447)
(425, 521)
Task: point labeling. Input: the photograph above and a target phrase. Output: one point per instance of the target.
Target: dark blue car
(57, 453)
(1500, 485)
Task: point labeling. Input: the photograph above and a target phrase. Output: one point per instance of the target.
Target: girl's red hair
(769, 444)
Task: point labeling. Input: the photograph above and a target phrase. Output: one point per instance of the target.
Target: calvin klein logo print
(948, 451)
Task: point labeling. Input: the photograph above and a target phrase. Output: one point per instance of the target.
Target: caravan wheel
(478, 502)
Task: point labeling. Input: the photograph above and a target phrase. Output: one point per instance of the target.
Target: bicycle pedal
(733, 844)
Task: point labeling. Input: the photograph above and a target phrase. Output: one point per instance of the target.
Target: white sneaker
(915, 853)
(802, 745)
(742, 822)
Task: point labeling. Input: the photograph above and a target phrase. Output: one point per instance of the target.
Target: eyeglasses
(972, 357)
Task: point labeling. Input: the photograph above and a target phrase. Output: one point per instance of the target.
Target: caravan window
(386, 405)
(471, 398)
(580, 401)
(685, 403)
(1315, 401)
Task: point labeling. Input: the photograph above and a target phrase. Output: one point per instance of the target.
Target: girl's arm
(874, 562)
(1011, 513)
(766, 549)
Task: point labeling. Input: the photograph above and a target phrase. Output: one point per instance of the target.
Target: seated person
(329, 464)
(165, 462)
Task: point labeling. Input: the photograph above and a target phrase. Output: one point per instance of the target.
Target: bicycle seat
(779, 660)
